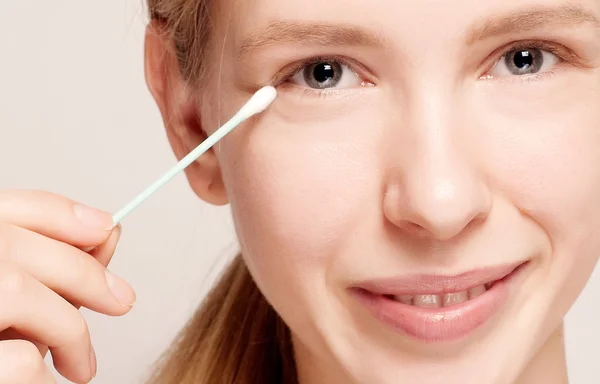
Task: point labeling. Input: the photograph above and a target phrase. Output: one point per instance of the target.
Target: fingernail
(117, 231)
(93, 218)
(116, 234)
(122, 292)
(93, 364)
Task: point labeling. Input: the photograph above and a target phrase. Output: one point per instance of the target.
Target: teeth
(477, 291)
(428, 301)
(447, 300)
(455, 298)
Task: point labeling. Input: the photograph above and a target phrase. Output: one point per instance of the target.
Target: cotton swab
(257, 104)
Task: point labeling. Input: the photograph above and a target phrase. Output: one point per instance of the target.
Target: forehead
(423, 22)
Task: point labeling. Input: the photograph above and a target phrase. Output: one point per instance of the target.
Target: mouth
(435, 308)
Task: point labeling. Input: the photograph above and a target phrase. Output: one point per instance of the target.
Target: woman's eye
(326, 74)
(524, 61)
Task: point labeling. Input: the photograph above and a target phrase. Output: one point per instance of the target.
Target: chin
(497, 358)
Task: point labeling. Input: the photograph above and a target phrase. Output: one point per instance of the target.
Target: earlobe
(180, 112)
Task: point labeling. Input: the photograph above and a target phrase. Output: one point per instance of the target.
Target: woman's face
(422, 201)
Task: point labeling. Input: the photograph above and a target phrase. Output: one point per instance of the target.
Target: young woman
(420, 204)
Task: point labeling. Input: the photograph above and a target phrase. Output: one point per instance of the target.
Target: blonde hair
(235, 336)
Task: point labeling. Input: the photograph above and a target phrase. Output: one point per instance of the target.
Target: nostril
(476, 221)
(414, 229)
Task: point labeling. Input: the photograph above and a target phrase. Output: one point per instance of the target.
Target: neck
(548, 366)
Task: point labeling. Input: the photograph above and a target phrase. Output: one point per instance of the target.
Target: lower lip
(439, 325)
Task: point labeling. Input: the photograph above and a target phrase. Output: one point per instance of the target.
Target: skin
(53, 260)
(443, 164)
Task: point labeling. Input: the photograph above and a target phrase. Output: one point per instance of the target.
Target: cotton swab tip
(258, 102)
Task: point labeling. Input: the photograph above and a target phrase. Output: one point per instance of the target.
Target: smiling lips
(438, 308)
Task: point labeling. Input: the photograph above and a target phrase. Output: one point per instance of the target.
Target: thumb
(105, 251)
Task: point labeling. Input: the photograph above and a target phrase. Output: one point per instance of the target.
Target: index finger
(56, 217)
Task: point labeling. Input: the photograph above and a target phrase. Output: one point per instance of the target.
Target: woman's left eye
(326, 74)
(524, 61)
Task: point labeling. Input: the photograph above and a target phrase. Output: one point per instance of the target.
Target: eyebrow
(529, 20)
(337, 35)
(311, 33)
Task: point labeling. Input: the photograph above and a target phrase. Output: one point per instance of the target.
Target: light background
(76, 119)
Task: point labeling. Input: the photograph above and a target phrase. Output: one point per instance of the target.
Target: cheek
(296, 192)
(545, 157)
(299, 189)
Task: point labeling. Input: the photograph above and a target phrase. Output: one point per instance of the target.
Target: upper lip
(412, 285)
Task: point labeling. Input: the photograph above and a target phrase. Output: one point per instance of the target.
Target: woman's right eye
(326, 74)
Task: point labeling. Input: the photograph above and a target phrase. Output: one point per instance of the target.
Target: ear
(180, 112)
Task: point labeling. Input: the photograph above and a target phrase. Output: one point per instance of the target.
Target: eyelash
(282, 78)
(564, 55)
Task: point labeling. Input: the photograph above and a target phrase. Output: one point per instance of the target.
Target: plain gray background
(76, 118)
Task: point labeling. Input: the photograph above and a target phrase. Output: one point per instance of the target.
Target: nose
(437, 191)
(435, 204)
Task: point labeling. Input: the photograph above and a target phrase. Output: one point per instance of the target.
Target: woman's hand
(45, 276)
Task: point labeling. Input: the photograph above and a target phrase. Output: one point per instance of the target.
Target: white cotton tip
(258, 102)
